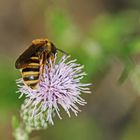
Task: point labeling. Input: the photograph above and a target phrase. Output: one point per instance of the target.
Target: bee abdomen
(30, 73)
(31, 83)
(31, 78)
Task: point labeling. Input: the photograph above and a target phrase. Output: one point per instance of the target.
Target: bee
(32, 61)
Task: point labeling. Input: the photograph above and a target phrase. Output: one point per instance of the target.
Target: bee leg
(50, 59)
(44, 57)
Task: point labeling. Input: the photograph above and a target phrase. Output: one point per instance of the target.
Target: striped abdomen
(30, 73)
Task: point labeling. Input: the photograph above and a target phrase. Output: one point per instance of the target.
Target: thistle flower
(32, 123)
(59, 86)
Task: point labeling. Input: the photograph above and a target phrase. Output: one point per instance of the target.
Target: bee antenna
(62, 51)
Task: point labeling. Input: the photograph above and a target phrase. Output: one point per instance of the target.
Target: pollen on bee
(38, 41)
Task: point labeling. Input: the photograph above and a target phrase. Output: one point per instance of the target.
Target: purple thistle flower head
(59, 86)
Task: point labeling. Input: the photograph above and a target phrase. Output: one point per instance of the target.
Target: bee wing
(24, 58)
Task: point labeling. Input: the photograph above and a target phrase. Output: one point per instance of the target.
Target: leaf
(129, 65)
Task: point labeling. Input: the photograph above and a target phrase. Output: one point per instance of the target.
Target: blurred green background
(104, 35)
